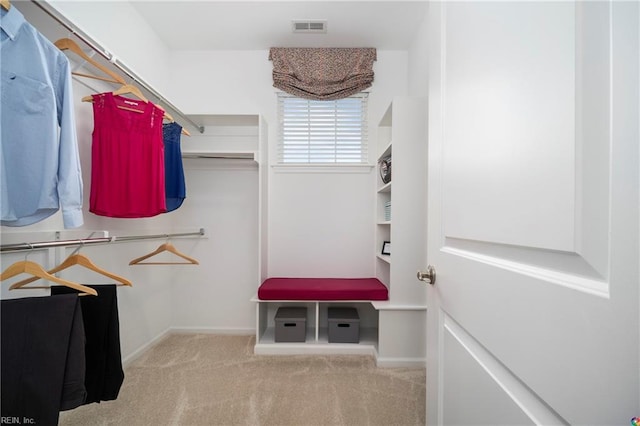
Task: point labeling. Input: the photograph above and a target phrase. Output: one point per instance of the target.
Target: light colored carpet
(189, 379)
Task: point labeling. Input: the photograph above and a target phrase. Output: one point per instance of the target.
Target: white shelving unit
(402, 134)
(383, 196)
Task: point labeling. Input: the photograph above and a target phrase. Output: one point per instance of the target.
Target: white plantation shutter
(322, 132)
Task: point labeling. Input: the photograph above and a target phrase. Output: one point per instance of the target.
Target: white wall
(214, 296)
(320, 224)
(118, 27)
(223, 82)
(418, 62)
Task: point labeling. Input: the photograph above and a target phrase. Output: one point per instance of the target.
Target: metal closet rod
(112, 59)
(81, 242)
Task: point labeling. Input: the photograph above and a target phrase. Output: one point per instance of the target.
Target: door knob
(428, 276)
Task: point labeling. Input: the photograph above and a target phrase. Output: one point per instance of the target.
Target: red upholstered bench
(322, 289)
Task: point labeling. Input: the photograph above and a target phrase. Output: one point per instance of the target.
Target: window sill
(322, 168)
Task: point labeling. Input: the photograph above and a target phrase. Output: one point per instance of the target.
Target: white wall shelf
(386, 151)
(385, 305)
(385, 188)
(247, 156)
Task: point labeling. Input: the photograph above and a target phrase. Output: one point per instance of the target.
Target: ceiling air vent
(309, 26)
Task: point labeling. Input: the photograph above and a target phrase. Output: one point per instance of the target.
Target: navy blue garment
(42, 358)
(175, 188)
(104, 374)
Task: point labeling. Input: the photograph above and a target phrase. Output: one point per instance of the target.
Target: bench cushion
(322, 289)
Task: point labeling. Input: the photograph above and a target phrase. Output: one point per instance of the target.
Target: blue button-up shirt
(39, 160)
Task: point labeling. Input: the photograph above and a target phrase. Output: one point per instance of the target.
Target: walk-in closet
(187, 278)
(319, 212)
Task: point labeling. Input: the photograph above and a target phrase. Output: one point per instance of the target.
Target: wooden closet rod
(66, 243)
(46, 8)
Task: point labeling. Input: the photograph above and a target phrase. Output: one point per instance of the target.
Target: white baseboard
(396, 362)
(237, 331)
(285, 348)
(185, 330)
(142, 349)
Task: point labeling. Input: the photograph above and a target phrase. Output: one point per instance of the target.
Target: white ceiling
(258, 25)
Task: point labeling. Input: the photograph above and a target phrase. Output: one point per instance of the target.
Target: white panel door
(533, 213)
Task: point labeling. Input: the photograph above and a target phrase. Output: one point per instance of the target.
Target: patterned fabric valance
(322, 73)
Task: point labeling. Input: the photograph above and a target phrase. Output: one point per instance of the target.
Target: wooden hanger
(130, 89)
(76, 259)
(133, 90)
(125, 89)
(183, 130)
(6, 4)
(165, 247)
(68, 44)
(29, 267)
(171, 120)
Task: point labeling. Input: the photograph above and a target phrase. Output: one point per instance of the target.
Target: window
(322, 132)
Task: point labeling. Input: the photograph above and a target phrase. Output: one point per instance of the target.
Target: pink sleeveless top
(127, 158)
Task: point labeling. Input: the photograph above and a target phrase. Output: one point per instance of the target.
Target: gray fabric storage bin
(291, 324)
(344, 325)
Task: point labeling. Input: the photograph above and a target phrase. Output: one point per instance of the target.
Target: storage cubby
(317, 340)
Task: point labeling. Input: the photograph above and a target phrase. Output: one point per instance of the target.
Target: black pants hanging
(104, 374)
(42, 358)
